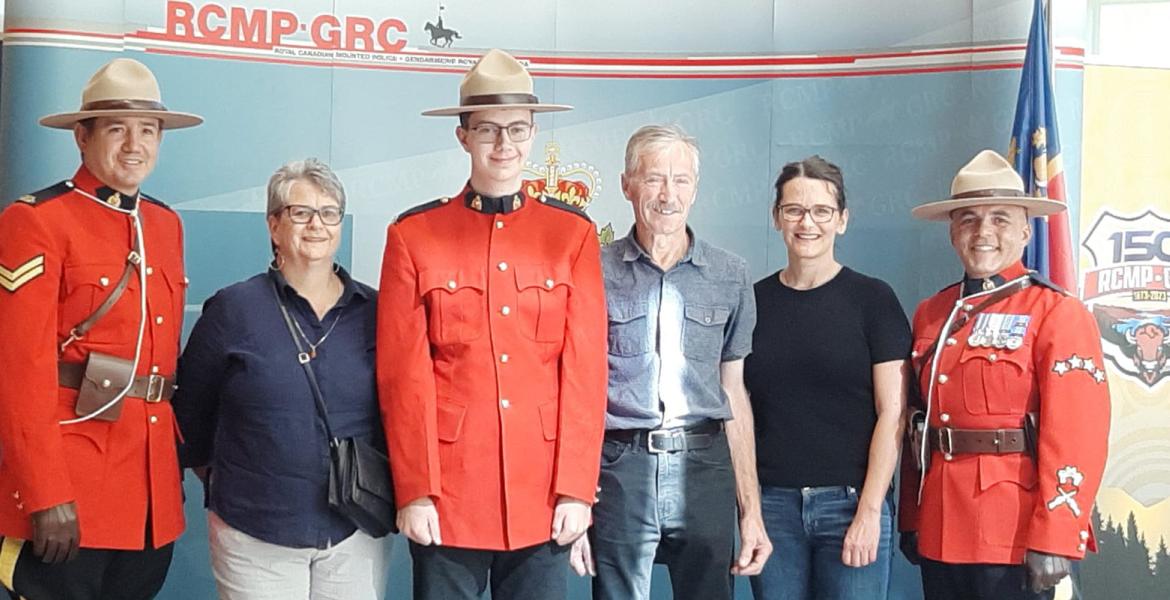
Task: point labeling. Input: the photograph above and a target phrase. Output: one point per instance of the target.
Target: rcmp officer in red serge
(91, 272)
(1014, 405)
(492, 361)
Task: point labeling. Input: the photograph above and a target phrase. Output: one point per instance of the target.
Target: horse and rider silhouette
(441, 37)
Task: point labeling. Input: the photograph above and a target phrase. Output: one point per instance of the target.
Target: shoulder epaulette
(553, 202)
(1039, 279)
(53, 191)
(949, 286)
(155, 201)
(424, 207)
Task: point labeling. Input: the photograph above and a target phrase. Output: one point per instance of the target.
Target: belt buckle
(946, 441)
(155, 384)
(650, 440)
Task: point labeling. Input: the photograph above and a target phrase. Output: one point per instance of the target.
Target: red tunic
(492, 365)
(991, 508)
(61, 254)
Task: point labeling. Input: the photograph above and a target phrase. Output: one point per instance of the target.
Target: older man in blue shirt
(679, 446)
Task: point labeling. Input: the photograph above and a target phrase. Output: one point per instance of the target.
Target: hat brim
(169, 119)
(941, 210)
(457, 110)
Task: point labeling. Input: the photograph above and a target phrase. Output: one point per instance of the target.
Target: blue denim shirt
(670, 331)
(245, 407)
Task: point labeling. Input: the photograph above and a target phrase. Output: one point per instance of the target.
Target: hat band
(150, 105)
(992, 193)
(484, 99)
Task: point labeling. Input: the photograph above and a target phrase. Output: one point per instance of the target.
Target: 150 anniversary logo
(1128, 290)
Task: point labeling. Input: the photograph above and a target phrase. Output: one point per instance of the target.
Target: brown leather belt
(977, 441)
(151, 388)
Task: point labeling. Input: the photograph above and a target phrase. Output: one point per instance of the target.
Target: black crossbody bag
(359, 474)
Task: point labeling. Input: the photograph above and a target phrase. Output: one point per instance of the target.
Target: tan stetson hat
(123, 87)
(497, 81)
(988, 179)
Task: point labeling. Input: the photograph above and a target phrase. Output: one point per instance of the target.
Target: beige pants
(246, 568)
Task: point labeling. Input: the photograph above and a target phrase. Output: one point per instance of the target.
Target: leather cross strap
(964, 318)
(132, 261)
(151, 388)
(978, 441)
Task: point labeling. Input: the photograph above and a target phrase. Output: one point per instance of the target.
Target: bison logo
(1137, 342)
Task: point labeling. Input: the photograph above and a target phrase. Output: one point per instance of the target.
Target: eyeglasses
(488, 133)
(302, 215)
(794, 213)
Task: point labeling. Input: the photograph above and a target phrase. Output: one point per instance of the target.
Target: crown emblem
(577, 184)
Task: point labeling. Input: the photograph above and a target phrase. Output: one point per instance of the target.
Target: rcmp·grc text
(266, 28)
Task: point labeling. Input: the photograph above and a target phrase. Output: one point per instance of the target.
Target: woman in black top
(827, 379)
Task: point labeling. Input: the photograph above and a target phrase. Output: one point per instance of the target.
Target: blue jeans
(807, 527)
(676, 509)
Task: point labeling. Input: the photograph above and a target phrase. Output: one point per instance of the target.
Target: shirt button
(992, 357)
(942, 378)
(158, 320)
(504, 403)
(951, 341)
(548, 283)
(154, 369)
(153, 419)
(499, 224)
(707, 319)
(104, 281)
(503, 358)
(945, 418)
(451, 284)
(505, 310)
(503, 266)
(150, 270)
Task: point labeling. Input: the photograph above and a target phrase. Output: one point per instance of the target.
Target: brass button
(951, 341)
(153, 419)
(948, 457)
(503, 358)
(451, 284)
(499, 224)
(505, 310)
(104, 281)
(158, 320)
(503, 266)
(504, 403)
(548, 283)
(945, 418)
(942, 378)
(992, 357)
(154, 369)
(150, 270)
(444, 200)
(106, 383)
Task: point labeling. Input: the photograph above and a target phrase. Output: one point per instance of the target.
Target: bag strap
(305, 360)
(133, 260)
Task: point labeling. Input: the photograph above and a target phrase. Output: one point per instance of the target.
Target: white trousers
(246, 568)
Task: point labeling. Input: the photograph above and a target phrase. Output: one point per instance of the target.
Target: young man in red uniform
(492, 361)
(91, 306)
(1014, 407)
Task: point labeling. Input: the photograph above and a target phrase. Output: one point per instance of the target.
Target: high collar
(93, 188)
(696, 248)
(492, 205)
(977, 285)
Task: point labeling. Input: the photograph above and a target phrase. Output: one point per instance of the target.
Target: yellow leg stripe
(9, 551)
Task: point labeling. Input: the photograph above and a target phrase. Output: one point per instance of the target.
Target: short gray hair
(309, 170)
(658, 137)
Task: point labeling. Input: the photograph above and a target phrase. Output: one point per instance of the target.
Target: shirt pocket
(995, 381)
(542, 293)
(629, 333)
(86, 288)
(703, 328)
(1007, 486)
(456, 307)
